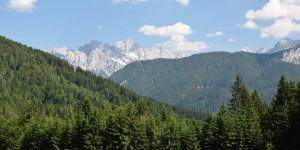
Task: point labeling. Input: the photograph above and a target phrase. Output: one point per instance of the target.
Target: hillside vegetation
(203, 81)
(47, 104)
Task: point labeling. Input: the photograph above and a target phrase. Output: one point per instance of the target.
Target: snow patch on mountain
(246, 49)
(105, 59)
(262, 51)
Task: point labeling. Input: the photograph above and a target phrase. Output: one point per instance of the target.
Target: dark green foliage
(236, 93)
(202, 81)
(257, 103)
(208, 140)
(47, 104)
(9, 134)
(73, 109)
(278, 120)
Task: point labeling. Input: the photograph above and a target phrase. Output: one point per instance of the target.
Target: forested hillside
(47, 104)
(203, 81)
(43, 99)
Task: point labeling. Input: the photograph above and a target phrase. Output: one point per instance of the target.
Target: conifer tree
(173, 134)
(244, 101)
(236, 93)
(257, 104)
(208, 140)
(221, 128)
(118, 131)
(278, 116)
(189, 140)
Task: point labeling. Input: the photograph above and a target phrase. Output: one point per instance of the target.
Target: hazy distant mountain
(104, 59)
(204, 80)
(284, 44)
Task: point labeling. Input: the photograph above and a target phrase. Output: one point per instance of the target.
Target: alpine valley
(203, 81)
(45, 103)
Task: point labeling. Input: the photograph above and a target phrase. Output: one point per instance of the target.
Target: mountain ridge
(189, 82)
(104, 59)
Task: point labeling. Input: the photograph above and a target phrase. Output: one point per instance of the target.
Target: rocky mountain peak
(89, 47)
(105, 59)
(283, 44)
(127, 45)
(292, 56)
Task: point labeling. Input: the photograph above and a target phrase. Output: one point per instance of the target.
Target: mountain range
(104, 59)
(283, 44)
(29, 75)
(203, 81)
(185, 82)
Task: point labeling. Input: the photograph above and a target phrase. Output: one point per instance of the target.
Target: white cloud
(232, 40)
(180, 43)
(219, 33)
(183, 2)
(131, 1)
(276, 9)
(176, 29)
(251, 25)
(177, 34)
(284, 13)
(21, 5)
(281, 28)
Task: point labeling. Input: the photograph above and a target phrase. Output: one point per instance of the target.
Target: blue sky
(181, 25)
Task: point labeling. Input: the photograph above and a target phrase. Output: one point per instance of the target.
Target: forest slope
(203, 81)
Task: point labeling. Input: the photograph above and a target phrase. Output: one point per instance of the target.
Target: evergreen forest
(202, 81)
(47, 104)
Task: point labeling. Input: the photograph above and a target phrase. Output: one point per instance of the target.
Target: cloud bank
(285, 15)
(177, 34)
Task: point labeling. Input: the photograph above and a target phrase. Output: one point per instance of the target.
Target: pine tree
(152, 133)
(244, 101)
(294, 131)
(52, 135)
(286, 92)
(221, 127)
(142, 108)
(253, 132)
(278, 122)
(139, 138)
(257, 104)
(189, 140)
(236, 93)
(173, 134)
(118, 131)
(208, 140)
(87, 129)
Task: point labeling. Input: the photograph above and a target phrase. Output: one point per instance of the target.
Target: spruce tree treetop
(236, 92)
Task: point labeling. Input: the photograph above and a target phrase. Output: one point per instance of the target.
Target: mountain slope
(284, 44)
(27, 75)
(203, 81)
(45, 103)
(104, 59)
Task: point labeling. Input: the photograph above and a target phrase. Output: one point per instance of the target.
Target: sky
(192, 26)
